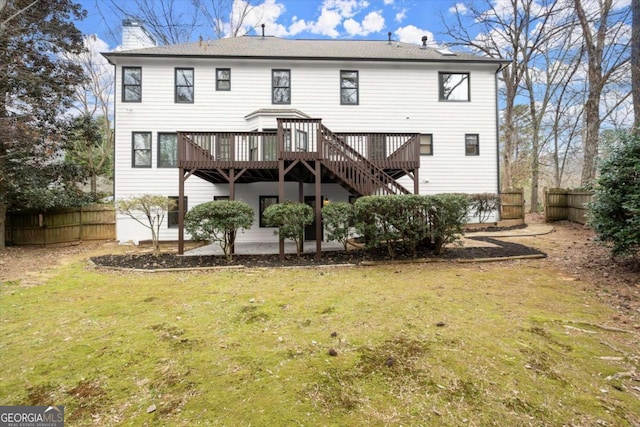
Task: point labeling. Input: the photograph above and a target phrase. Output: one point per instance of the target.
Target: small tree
(482, 205)
(290, 218)
(153, 207)
(338, 218)
(615, 211)
(218, 222)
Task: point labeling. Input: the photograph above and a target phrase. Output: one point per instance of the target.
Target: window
(265, 202)
(173, 220)
(223, 147)
(281, 86)
(223, 78)
(184, 85)
(217, 198)
(167, 150)
(454, 86)
(131, 84)
(426, 145)
(269, 148)
(472, 144)
(349, 87)
(141, 147)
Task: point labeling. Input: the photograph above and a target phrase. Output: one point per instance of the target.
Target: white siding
(392, 98)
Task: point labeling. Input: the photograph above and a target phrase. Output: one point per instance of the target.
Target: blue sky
(407, 20)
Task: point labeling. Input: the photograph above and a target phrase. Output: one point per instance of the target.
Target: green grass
(417, 344)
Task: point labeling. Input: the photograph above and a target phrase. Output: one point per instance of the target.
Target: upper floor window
(184, 85)
(281, 86)
(472, 144)
(167, 150)
(349, 87)
(131, 84)
(454, 86)
(426, 144)
(223, 79)
(141, 149)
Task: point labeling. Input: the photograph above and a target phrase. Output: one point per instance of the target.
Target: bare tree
(93, 99)
(606, 54)
(226, 17)
(500, 35)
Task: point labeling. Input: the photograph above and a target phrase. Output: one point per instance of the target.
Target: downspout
(499, 189)
(500, 68)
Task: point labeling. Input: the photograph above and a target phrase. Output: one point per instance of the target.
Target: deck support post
(416, 182)
(318, 212)
(181, 211)
(281, 200)
(301, 200)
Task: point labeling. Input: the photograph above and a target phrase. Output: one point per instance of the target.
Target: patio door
(310, 230)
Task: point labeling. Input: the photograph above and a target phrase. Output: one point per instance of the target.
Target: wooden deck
(360, 161)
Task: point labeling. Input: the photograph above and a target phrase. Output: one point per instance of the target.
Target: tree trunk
(635, 64)
(591, 136)
(535, 172)
(94, 183)
(3, 222)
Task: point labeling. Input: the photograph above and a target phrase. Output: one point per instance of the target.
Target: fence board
(565, 204)
(512, 204)
(92, 222)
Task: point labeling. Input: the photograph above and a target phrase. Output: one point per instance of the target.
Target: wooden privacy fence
(512, 204)
(565, 204)
(91, 222)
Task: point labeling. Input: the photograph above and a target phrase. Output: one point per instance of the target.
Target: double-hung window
(472, 144)
(131, 84)
(173, 218)
(281, 86)
(141, 149)
(454, 86)
(167, 150)
(348, 87)
(223, 78)
(184, 86)
(426, 144)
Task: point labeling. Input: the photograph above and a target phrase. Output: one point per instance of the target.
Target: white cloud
(388, 2)
(373, 22)
(400, 16)
(298, 26)
(458, 8)
(327, 23)
(266, 13)
(413, 34)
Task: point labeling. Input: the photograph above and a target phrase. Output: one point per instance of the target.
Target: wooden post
(280, 194)
(318, 212)
(181, 211)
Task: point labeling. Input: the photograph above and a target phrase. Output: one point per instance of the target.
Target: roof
(257, 47)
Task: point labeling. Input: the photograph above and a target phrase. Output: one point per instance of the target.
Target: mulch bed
(170, 260)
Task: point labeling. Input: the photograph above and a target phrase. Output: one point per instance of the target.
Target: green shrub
(411, 220)
(219, 222)
(482, 205)
(615, 210)
(290, 218)
(337, 217)
(447, 215)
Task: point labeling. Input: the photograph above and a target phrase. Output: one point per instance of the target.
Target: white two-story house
(263, 119)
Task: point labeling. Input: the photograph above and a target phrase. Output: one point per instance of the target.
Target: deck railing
(294, 139)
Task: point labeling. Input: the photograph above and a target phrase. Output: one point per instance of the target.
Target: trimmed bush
(447, 215)
(337, 217)
(290, 218)
(219, 222)
(615, 211)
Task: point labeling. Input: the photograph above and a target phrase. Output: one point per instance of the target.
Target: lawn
(505, 344)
